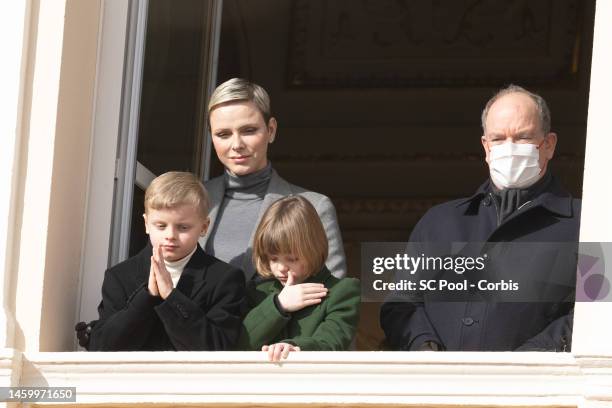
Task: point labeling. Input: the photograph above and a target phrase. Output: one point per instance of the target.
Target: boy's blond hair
(241, 90)
(291, 226)
(176, 188)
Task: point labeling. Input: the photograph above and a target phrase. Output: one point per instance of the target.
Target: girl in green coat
(295, 303)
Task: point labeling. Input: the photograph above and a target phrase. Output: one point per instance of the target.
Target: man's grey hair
(541, 106)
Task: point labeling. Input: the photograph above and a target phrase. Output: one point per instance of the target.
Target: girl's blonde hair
(292, 226)
(176, 188)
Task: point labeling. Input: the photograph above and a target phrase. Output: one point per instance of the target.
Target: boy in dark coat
(172, 295)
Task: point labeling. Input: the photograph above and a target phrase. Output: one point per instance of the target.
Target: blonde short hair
(176, 188)
(238, 89)
(290, 225)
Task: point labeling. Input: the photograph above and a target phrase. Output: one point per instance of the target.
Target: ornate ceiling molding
(374, 43)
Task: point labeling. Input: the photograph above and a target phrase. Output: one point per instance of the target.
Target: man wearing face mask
(521, 202)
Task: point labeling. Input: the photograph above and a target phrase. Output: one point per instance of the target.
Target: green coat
(329, 325)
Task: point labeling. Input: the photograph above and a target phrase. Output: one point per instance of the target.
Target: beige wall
(54, 170)
(13, 27)
(105, 134)
(70, 174)
(591, 320)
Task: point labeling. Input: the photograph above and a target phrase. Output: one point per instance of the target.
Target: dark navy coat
(203, 312)
(552, 216)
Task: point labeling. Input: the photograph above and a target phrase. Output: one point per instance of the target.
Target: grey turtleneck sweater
(238, 213)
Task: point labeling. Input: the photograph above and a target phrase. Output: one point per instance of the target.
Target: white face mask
(514, 165)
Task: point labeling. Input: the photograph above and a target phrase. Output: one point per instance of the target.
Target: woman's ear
(272, 126)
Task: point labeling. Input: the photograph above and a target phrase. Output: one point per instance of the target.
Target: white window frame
(115, 139)
(581, 378)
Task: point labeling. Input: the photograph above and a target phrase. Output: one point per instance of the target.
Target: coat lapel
(144, 264)
(309, 311)
(192, 279)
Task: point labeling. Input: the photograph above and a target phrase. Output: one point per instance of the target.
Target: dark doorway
(379, 101)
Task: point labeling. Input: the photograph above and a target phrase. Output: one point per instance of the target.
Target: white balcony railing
(354, 378)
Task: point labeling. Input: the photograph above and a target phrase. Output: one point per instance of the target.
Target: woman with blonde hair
(242, 127)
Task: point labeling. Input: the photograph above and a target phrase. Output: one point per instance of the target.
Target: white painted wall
(53, 164)
(13, 26)
(109, 82)
(36, 165)
(593, 321)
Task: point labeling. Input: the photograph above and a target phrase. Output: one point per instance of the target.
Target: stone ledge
(368, 378)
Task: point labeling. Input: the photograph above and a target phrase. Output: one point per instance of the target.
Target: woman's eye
(222, 135)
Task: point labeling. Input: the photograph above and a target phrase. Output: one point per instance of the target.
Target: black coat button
(487, 201)
(468, 321)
